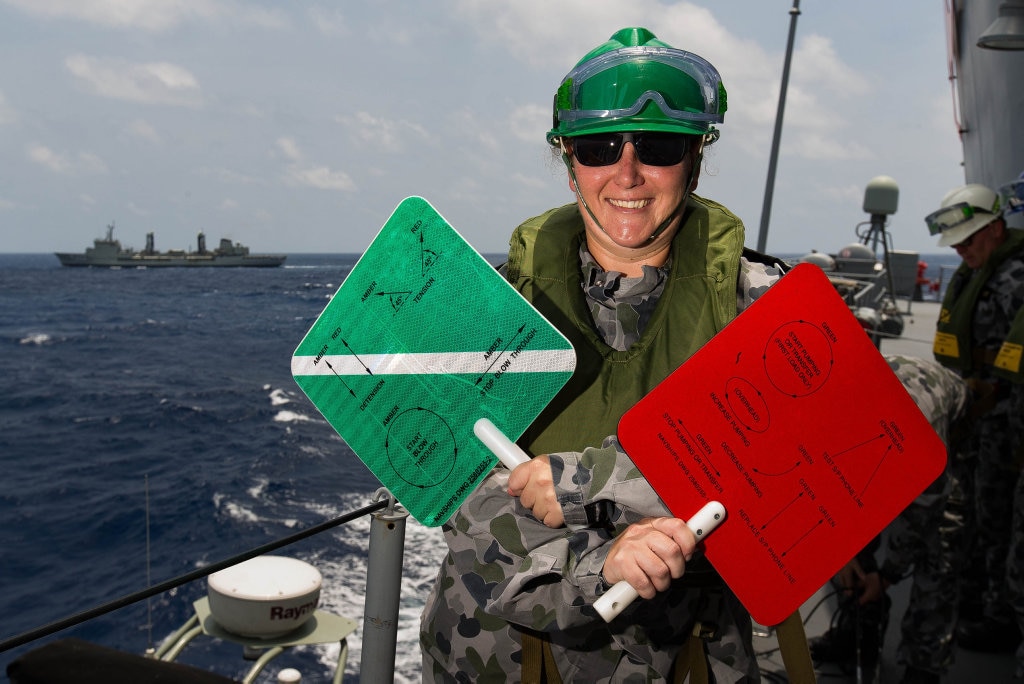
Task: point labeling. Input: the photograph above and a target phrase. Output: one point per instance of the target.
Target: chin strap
(567, 160)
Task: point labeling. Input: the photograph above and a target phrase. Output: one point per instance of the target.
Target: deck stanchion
(383, 589)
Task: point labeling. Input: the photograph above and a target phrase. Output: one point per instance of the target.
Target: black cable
(84, 616)
(820, 602)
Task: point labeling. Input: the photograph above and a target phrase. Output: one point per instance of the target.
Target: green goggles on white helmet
(955, 216)
(635, 82)
(964, 211)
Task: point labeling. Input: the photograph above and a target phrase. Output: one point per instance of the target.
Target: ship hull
(172, 261)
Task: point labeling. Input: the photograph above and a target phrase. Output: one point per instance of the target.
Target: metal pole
(383, 590)
(766, 210)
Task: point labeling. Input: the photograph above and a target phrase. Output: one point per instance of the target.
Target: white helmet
(964, 212)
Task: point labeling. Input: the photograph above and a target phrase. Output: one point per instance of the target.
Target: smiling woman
(638, 273)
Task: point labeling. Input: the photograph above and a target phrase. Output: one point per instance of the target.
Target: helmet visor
(950, 217)
(622, 83)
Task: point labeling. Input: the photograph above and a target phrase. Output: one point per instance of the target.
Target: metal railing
(383, 586)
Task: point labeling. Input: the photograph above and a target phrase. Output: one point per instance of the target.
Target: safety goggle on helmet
(965, 211)
(954, 216)
(635, 82)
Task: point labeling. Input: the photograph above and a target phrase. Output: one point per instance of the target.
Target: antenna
(150, 651)
(773, 157)
(881, 197)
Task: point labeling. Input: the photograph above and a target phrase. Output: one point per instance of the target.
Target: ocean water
(179, 380)
(178, 377)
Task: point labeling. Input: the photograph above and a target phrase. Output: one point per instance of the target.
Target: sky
(298, 126)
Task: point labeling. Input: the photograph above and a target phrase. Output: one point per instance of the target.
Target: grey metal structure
(383, 591)
(989, 86)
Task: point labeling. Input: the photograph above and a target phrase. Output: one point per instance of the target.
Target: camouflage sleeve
(603, 475)
(530, 574)
(518, 569)
(754, 280)
(1009, 287)
(941, 396)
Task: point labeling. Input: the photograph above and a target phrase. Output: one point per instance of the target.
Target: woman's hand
(533, 484)
(650, 554)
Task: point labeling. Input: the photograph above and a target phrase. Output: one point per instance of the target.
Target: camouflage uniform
(506, 572)
(988, 464)
(927, 538)
(1015, 556)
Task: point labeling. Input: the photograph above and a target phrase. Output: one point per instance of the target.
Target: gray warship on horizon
(107, 252)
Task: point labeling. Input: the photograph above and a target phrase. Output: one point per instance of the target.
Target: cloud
(531, 182)
(818, 98)
(148, 83)
(320, 177)
(143, 130)
(529, 122)
(289, 148)
(90, 164)
(330, 22)
(137, 210)
(385, 135)
(49, 159)
(827, 147)
(84, 163)
(815, 62)
(150, 15)
(223, 175)
(534, 32)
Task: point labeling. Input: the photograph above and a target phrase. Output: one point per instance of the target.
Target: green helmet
(635, 82)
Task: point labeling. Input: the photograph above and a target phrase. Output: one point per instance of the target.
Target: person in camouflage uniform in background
(1011, 197)
(926, 541)
(980, 323)
(638, 274)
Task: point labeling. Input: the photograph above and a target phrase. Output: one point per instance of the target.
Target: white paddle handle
(615, 600)
(507, 451)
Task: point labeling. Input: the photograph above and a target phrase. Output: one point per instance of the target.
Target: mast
(769, 190)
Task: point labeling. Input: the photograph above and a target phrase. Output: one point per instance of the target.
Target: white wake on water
(344, 587)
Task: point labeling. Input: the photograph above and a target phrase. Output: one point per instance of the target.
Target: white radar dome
(264, 597)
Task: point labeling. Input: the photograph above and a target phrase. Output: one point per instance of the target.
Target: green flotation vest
(953, 346)
(700, 294)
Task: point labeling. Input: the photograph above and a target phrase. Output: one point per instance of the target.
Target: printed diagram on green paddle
(423, 338)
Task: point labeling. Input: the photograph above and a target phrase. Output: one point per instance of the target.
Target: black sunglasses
(652, 149)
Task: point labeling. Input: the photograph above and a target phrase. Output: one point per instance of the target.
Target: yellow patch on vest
(1009, 357)
(946, 345)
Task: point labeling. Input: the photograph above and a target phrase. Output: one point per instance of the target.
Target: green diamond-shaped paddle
(423, 341)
